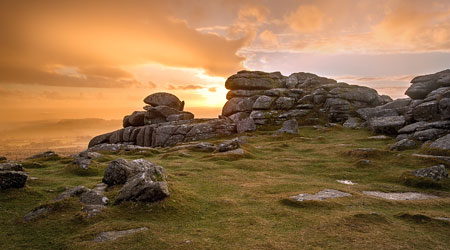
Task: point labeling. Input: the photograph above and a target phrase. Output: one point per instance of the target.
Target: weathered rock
(113, 235)
(99, 139)
(442, 143)
(429, 134)
(423, 85)
(401, 196)
(36, 213)
(75, 191)
(426, 111)
(437, 173)
(354, 93)
(352, 122)
(93, 198)
(2, 158)
(379, 137)
(11, 166)
(387, 125)
(307, 80)
(236, 104)
(245, 125)
(164, 99)
(235, 152)
(404, 144)
(197, 147)
(369, 113)
(12, 179)
(289, 127)
(137, 118)
(143, 187)
(444, 108)
(338, 109)
(284, 103)
(236, 117)
(255, 80)
(116, 136)
(120, 170)
(243, 93)
(322, 195)
(263, 102)
(84, 159)
(44, 155)
(184, 115)
(399, 105)
(160, 114)
(228, 145)
(126, 121)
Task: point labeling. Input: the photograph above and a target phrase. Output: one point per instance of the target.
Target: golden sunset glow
(75, 59)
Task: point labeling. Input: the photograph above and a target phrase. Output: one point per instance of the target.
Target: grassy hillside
(242, 202)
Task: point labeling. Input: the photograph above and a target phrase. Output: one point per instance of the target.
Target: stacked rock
(12, 175)
(162, 107)
(423, 117)
(274, 98)
(163, 124)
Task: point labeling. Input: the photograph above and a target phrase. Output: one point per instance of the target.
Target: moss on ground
(242, 202)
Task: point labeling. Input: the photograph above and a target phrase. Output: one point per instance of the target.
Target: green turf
(242, 202)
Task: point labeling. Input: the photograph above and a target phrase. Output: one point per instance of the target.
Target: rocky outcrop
(424, 117)
(273, 98)
(436, 173)
(288, 127)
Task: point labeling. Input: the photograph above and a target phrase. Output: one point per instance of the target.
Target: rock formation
(12, 176)
(424, 117)
(258, 98)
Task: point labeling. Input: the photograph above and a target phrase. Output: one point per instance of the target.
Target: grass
(242, 202)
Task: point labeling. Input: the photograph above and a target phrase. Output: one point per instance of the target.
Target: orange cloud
(307, 18)
(269, 39)
(99, 38)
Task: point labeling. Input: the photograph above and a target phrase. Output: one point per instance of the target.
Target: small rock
(404, 144)
(379, 137)
(352, 122)
(2, 158)
(437, 173)
(44, 155)
(10, 166)
(322, 195)
(76, 191)
(401, 196)
(114, 235)
(228, 145)
(346, 182)
(245, 125)
(363, 163)
(36, 213)
(238, 151)
(12, 179)
(120, 170)
(93, 198)
(289, 126)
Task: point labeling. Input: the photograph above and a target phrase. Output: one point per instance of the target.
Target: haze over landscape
(76, 60)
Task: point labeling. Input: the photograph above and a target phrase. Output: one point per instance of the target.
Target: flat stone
(401, 196)
(36, 213)
(114, 235)
(379, 137)
(238, 151)
(442, 143)
(437, 173)
(346, 182)
(322, 195)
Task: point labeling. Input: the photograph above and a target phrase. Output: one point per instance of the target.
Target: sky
(99, 59)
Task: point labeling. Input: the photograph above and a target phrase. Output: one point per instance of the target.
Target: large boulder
(12, 179)
(442, 143)
(137, 118)
(423, 85)
(237, 104)
(245, 125)
(307, 80)
(120, 170)
(143, 187)
(263, 102)
(164, 99)
(255, 80)
(11, 166)
(387, 125)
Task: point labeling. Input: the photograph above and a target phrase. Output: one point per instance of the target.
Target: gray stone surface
(254, 80)
(437, 173)
(119, 171)
(387, 125)
(263, 102)
(401, 196)
(228, 145)
(404, 144)
(442, 143)
(245, 125)
(289, 127)
(164, 99)
(423, 85)
(114, 235)
(143, 187)
(72, 192)
(322, 195)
